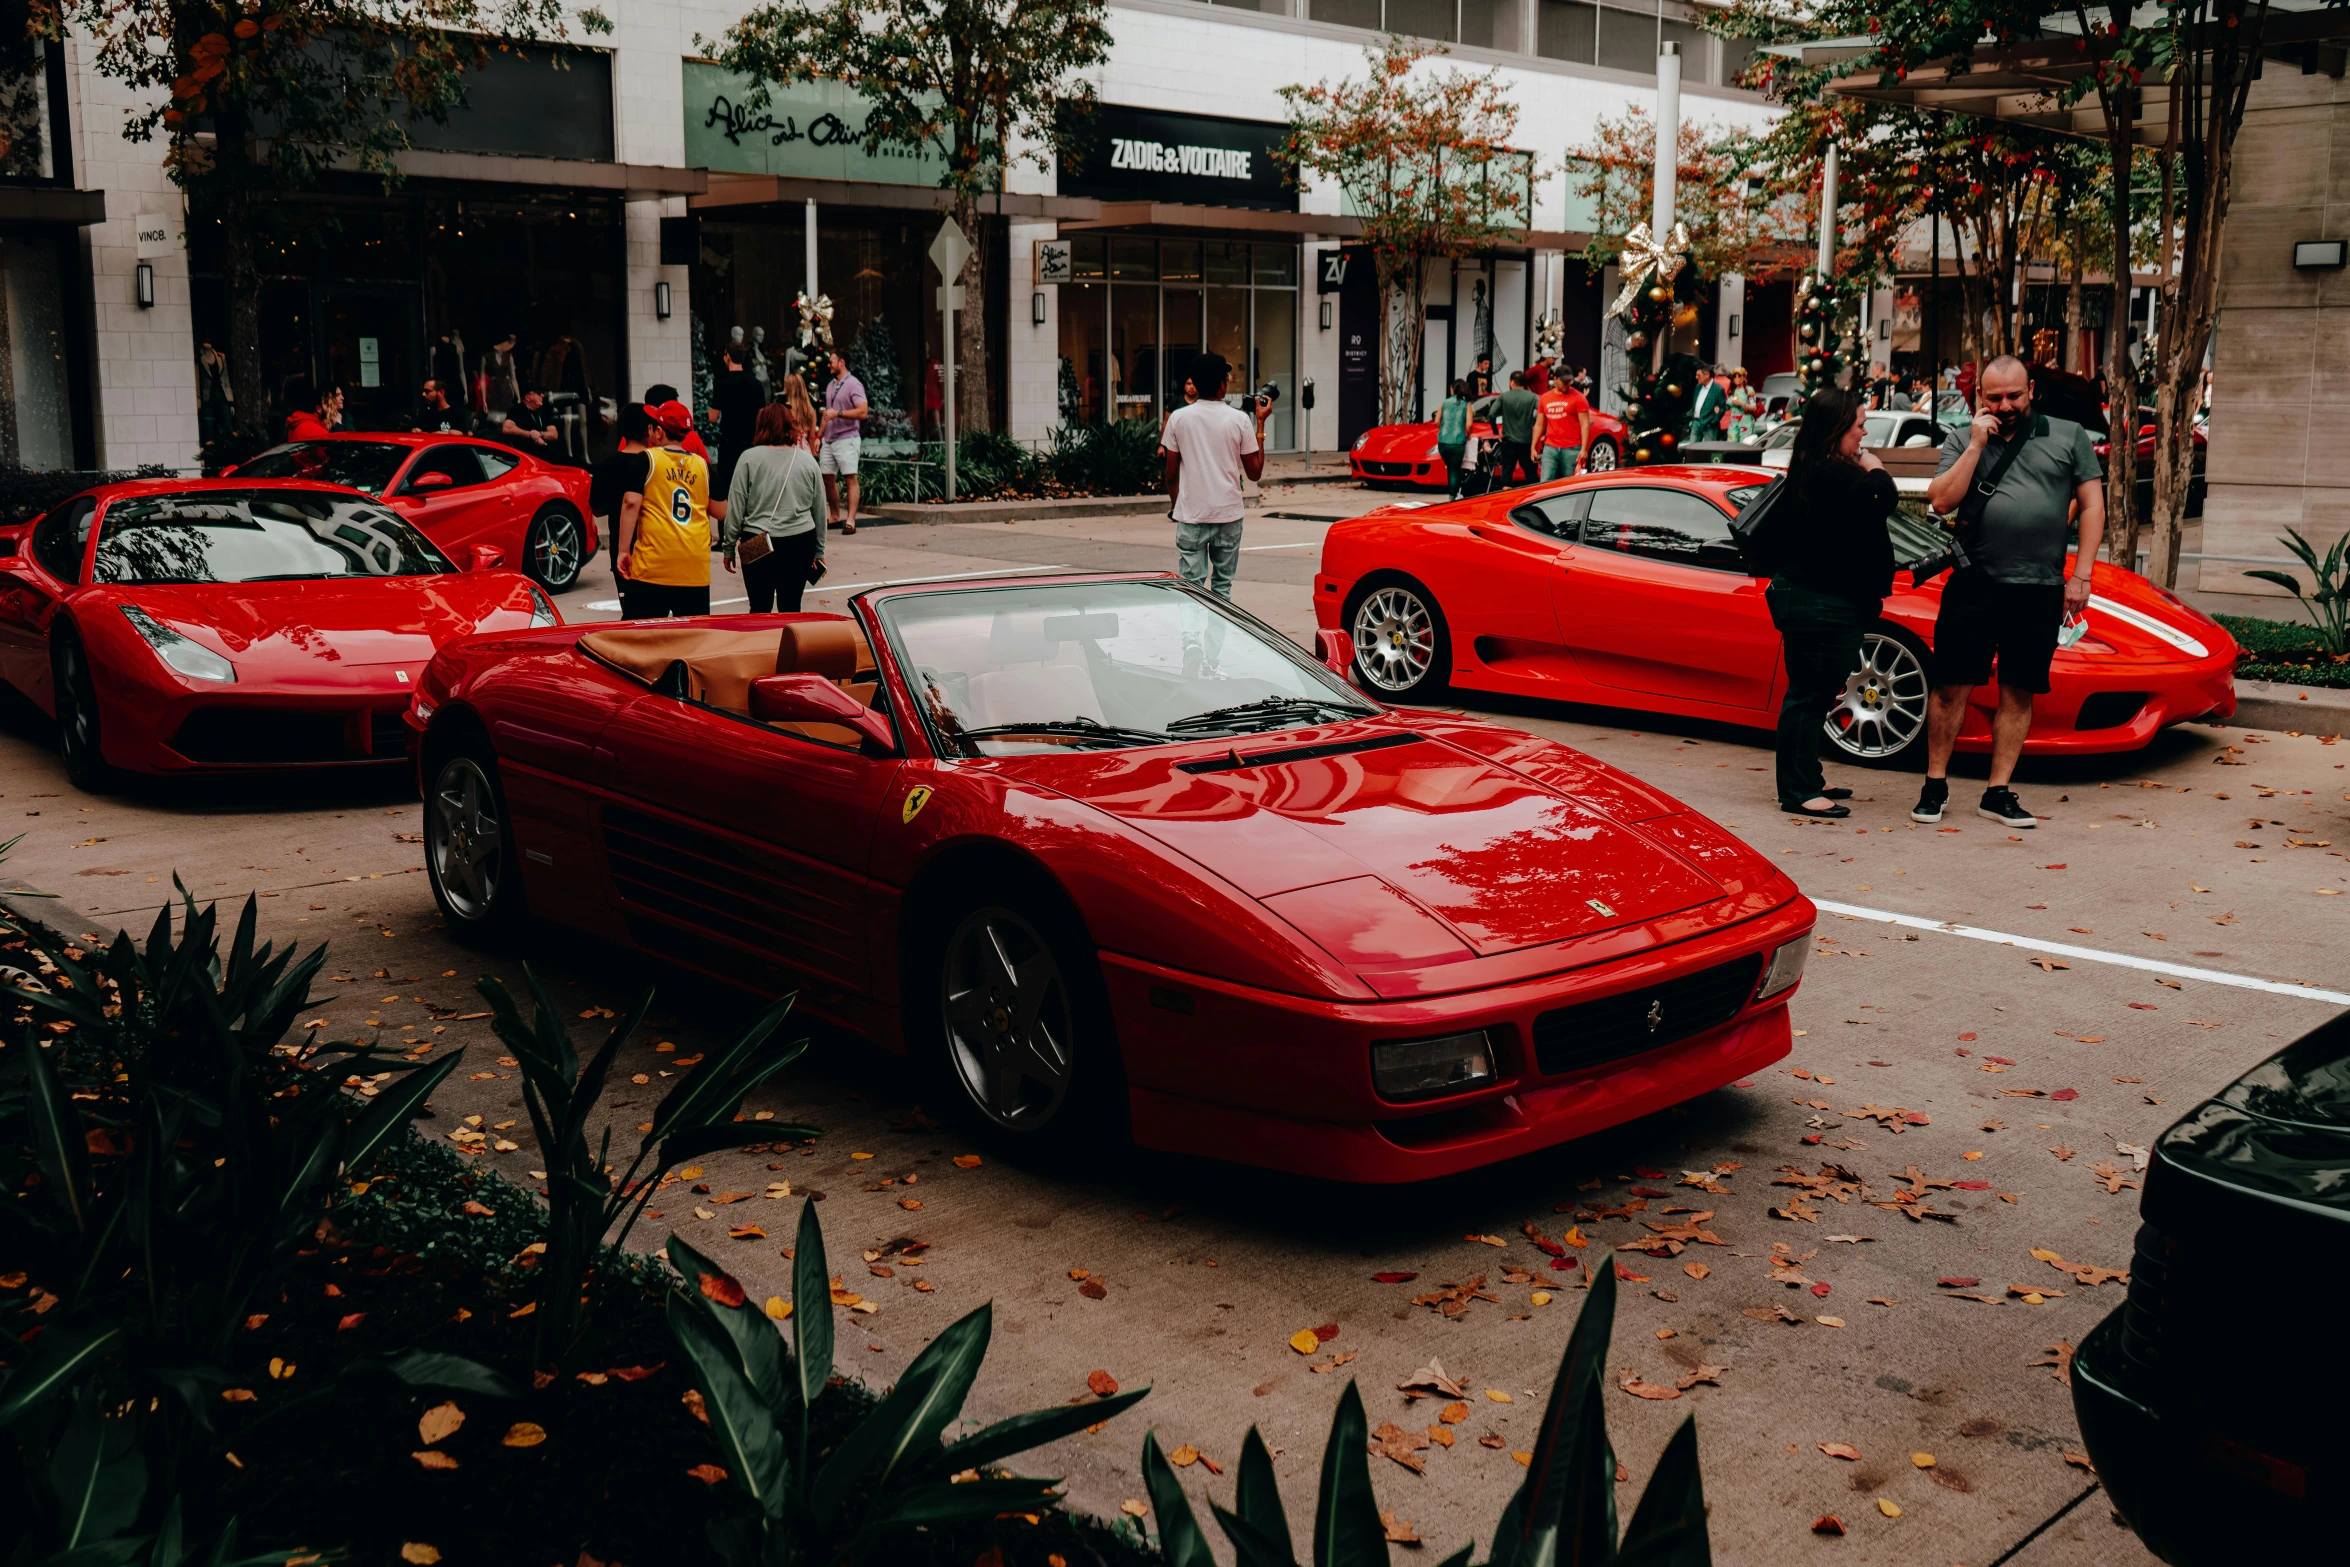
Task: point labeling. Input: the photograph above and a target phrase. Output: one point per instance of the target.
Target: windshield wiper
(296, 576)
(1241, 716)
(1091, 728)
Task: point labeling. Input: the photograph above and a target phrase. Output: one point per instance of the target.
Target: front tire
(1402, 650)
(554, 551)
(1011, 1018)
(78, 744)
(1880, 720)
(1603, 457)
(469, 853)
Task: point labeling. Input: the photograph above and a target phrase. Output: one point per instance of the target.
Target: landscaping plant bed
(2284, 651)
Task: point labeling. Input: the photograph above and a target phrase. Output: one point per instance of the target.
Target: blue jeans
(1207, 554)
(1558, 462)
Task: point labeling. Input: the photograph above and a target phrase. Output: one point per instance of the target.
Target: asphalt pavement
(1992, 1024)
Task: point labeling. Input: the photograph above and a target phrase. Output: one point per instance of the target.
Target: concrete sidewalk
(2298, 710)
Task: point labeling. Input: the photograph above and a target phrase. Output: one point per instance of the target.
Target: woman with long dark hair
(1837, 568)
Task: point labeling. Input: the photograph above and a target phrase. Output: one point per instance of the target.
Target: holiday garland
(1659, 293)
(1821, 304)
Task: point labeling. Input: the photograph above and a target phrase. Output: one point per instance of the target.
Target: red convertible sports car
(178, 625)
(1627, 590)
(459, 492)
(1406, 453)
(1105, 854)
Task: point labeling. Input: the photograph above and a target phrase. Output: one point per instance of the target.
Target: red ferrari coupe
(1406, 453)
(177, 625)
(458, 491)
(1106, 853)
(1627, 590)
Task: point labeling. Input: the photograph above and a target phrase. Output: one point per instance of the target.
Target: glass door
(366, 345)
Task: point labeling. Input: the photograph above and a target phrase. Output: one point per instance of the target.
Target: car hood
(1399, 848)
(2280, 1131)
(351, 622)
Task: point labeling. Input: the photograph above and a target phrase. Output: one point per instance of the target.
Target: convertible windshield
(363, 465)
(258, 536)
(1012, 671)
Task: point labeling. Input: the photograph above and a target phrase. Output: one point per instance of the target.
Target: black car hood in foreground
(2281, 1131)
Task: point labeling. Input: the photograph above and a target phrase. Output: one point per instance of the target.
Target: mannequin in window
(216, 399)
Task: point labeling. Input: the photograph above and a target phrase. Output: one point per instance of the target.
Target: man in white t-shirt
(1212, 449)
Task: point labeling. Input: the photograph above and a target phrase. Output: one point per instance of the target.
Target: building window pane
(1276, 265)
(1737, 55)
(1227, 333)
(1179, 261)
(1181, 307)
(1086, 257)
(1134, 350)
(1492, 24)
(1348, 13)
(1627, 40)
(1421, 19)
(1085, 367)
(1566, 30)
(1273, 357)
(1277, 7)
(1133, 260)
(36, 407)
(1227, 262)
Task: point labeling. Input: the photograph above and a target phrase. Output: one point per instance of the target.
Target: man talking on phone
(2014, 480)
(1212, 448)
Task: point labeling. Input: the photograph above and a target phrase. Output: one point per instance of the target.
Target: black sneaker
(1931, 799)
(2001, 805)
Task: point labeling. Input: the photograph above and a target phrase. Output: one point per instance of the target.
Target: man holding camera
(1212, 449)
(2014, 479)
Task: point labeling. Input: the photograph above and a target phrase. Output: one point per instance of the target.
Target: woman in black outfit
(1838, 569)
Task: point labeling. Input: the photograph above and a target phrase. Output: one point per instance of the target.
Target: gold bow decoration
(815, 320)
(1644, 258)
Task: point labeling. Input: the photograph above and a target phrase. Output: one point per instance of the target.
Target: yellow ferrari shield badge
(916, 798)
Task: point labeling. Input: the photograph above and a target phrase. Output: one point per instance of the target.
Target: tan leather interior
(715, 665)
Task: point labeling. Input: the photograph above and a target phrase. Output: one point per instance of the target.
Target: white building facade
(575, 230)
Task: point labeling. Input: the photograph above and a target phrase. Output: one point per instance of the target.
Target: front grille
(1569, 1039)
(2111, 709)
(275, 737)
(1387, 470)
(2143, 1309)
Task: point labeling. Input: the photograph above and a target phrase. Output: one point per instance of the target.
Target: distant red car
(1406, 453)
(458, 491)
(185, 625)
(1100, 854)
(1627, 590)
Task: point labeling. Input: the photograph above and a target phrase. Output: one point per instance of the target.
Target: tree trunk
(2121, 382)
(2072, 307)
(244, 325)
(1404, 324)
(971, 379)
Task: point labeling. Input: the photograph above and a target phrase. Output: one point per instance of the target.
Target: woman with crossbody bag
(775, 519)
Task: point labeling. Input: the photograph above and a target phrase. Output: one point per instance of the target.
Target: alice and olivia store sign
(1119, 153)
(806, 130)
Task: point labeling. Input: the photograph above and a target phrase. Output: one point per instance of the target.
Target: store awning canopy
(2028, 82)
(51, 204)
(632, 181)
(758, 190)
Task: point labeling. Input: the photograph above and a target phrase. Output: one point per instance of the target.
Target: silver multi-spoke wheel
(464, 839)
(1602, 458)
(1395, 638)
(554, 549)
(1009, 1023)
(1883, 709)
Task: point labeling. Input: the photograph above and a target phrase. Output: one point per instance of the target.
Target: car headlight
(542, 613)
(1785, 968)
(191, 659)
(1434, 452)
(1361, 440)
(1426, 1068)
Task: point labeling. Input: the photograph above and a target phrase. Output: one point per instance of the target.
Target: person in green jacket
(1452, 437)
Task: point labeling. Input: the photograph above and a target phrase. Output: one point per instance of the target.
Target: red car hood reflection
(1503, 862)
(350, 622)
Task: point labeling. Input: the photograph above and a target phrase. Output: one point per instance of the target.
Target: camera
(1268, 394)
(1926, 569)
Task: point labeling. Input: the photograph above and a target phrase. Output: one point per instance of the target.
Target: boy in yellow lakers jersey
(665, 537)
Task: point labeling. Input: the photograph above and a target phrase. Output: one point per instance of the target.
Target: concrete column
(1730, 321)
(1033, 371)
(657, 350)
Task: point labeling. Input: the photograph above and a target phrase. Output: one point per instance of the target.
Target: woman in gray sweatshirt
(777, 495)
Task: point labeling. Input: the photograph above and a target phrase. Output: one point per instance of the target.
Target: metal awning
(631, 181)
(51, 204)
(2025, 83)
(758, 190)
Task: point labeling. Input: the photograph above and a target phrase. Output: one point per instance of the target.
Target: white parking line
(2085, 954)
(1310, 544)
(891, 582)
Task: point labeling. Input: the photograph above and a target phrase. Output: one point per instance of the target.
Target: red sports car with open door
(459, 492)
(198, 625)
(1107, 853)
(1627, 590)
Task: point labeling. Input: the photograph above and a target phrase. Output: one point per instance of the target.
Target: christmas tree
(1663, 387)
(1820, 305)
(705, 378)
(873, 360)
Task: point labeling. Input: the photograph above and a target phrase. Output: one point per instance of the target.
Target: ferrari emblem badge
(916, 798)
(1656, 1016)
(1598, 907)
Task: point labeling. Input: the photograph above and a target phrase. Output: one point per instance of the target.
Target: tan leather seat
(715, 665)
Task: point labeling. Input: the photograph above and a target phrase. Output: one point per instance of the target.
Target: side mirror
(1338, 651)
(812, 699)
(487, 557)
(424, 482)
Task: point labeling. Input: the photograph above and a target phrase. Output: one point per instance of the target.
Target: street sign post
(948, 251)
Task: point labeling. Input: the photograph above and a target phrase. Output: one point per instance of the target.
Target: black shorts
(661, 600)
(1983, 618)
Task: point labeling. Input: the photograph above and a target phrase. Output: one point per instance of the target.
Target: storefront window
(1126, 347)
(36, 405)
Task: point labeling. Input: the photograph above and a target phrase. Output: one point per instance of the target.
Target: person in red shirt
(1538, 378)
(313, 416)
(661, 392)
(1562, 430)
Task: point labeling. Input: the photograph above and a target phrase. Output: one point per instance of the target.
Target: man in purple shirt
(845, 412)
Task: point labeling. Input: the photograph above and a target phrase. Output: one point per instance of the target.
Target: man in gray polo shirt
(2007, 604)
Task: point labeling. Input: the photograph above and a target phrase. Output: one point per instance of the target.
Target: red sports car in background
(458, 491)
(1406, 453)
(181, 625)
(1627, 590)
(1107, 854)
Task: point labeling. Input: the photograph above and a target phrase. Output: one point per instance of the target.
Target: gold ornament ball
(1810, 331)
(1640, 454)
(1660, 293)
(1672, 391)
